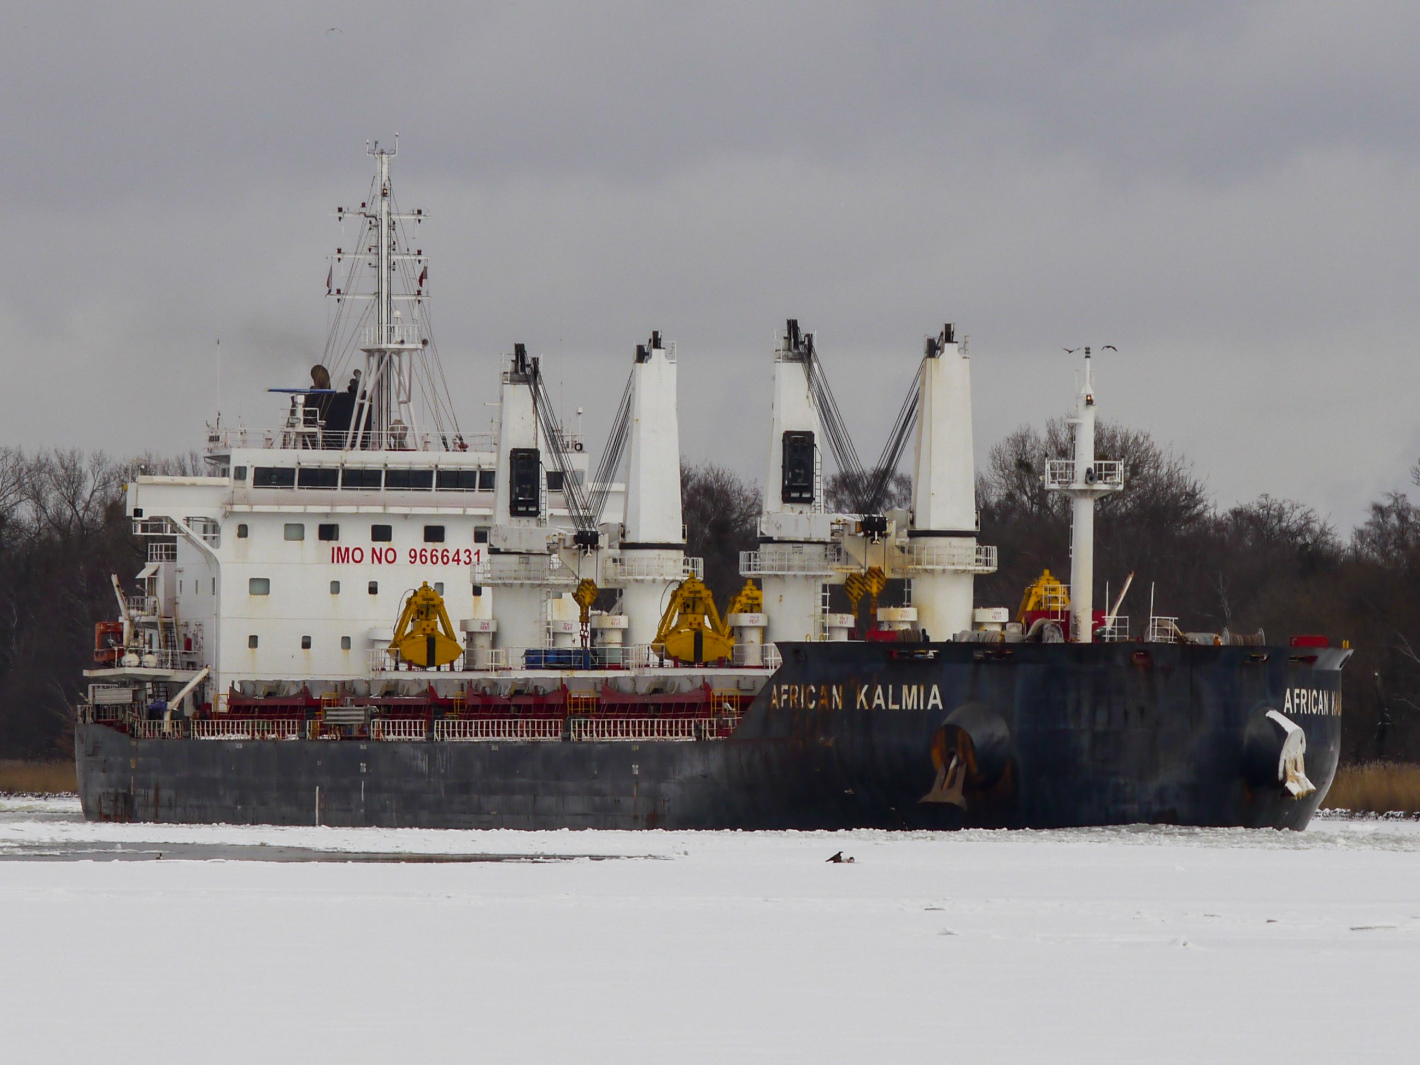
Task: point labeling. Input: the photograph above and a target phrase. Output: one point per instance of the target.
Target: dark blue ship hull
(846, 735)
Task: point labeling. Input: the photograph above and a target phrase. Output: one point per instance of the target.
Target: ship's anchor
(1292, 762)
(949, 785)
(1275, 752)
(952, 763)
(973, 754)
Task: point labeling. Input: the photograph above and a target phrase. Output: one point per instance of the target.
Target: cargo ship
(369, 616)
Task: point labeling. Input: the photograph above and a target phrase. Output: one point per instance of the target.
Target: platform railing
(803, 560)
(143, 605)
(523, 569)
(484, 730)
(621, 657)
(398, 729)
(631, 729)
(745, 657)
(313, 438)
(159, 729)
(636, 567)
(1106, 473)
(932, 555)
(247, 729)
(1118, 632)
(168, 659)
(1162, 630)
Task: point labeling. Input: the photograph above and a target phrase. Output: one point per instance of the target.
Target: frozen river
(1135, 945)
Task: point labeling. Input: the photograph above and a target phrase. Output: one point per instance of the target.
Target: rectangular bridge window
(458, 480)
(409, 480)
(274, 477)
(433, 534)
(328, 531)
(318, 477)
(294, 531)
(361, 478)
(259, 586)
(381, 534)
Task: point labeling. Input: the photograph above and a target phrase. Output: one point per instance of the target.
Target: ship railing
(618, 657)
(172, 729)
(162, 551)
(757, 656)
(639, 567)
(209, 529)
(1106, 473)
(247, 728)
(621, 656)
(383, 660)
(800, 560)
(1162, 630)
(484, 730)
(98, 713)
(154, 527)
(312, 438)
(392, 335)
(933, 555)
(167, 658)
(143, 605)
(399, 729)
(522, 569)
(1117, 632)
(631, 729)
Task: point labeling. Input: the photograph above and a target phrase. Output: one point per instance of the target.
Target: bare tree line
(62, 532)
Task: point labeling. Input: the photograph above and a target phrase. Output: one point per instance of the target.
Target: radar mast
(402, 400)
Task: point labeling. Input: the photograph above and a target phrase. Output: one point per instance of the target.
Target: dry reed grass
(37, 778)
(1376, 788)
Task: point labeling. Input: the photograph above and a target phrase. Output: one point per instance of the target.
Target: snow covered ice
(1108, 945)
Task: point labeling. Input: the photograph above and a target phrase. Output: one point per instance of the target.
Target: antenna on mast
(401, 383)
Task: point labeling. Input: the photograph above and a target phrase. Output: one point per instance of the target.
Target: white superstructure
(292, 558)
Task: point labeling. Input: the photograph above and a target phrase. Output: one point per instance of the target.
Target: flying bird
(1069, 351)
(1109, 347)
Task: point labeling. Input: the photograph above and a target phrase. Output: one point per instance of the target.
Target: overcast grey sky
(1226, 192)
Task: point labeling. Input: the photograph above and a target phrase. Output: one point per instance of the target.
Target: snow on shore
(1126, 945)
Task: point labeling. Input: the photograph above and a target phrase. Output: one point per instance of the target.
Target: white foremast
(1084, 480)
(397, 349)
